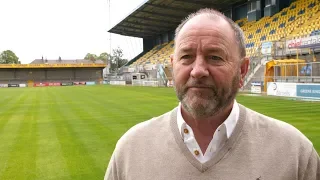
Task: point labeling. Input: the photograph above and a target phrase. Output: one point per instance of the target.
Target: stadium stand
(52, 71)
(300, 19)
(275, 30)
(158, 55)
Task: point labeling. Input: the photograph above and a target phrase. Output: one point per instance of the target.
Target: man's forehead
(203, 25)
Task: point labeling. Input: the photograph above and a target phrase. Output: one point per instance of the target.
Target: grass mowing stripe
(117, 114)
(50, 160)
(127, 111)
(96, 129)
(10, 125)
(80, 164)
(4, 108)
(21, 163)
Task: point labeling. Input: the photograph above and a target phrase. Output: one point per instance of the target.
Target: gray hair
(239, 35)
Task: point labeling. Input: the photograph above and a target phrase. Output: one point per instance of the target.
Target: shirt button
(196, 152)
(186, 131)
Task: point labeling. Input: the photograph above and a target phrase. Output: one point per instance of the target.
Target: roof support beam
(141, 29)
(153, 20)
(164, 15)
(171, 8)
(147, 25)
(132, 33)
(197, 2)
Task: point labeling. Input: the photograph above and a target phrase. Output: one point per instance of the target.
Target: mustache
(199, 84)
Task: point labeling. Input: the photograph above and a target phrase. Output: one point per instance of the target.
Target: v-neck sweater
(260, 148)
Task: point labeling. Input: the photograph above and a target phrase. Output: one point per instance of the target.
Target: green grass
(70, 132)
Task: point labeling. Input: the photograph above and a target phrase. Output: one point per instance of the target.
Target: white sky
(66, 28)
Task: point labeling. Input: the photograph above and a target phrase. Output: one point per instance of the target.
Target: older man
(209, 135)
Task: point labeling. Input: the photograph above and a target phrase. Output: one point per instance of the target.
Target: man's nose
(200, 68)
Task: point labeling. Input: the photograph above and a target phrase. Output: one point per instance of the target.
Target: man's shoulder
(276, 128)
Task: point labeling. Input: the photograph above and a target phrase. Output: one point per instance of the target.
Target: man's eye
(215, 58)
(186, 57)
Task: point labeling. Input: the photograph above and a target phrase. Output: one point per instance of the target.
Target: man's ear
(243, 70)
(171, 60)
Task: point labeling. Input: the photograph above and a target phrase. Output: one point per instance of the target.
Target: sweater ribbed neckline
(220, 154)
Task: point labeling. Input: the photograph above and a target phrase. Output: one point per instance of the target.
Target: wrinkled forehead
(205, 26)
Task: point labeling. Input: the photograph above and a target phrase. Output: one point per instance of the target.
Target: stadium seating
(300, 19)
(158, 55)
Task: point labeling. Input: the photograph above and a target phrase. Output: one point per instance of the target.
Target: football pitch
(70, 132)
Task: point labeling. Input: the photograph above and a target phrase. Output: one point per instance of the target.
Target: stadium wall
(254, 10)
(240, 12)
(148, 44)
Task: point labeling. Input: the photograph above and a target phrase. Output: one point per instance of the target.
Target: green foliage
(91, 57)
(116, 60)
(9, 57)
(104, 57)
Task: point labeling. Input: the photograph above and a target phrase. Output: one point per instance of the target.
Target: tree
(9, 57)
(117, 61)
(104, 57)
(91, 57)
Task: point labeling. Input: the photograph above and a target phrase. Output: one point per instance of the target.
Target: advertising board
(282, 89)
(106, 82)
(79, 83)
(40, 84)
(118, 82)
(293, 90)
(55, 84)
(308, 90)
(303, 42)
(256, 89)
(266, 48)
(90, 83)
(66, 84)
(13, 85)
(3, 85)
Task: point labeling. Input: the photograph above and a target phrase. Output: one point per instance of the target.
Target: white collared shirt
(222, 133)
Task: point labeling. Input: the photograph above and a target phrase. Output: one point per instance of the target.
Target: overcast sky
(66, 28)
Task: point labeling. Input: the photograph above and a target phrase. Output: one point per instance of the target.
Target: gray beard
(201, 106)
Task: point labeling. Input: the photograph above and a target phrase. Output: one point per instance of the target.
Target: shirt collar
(229, 123)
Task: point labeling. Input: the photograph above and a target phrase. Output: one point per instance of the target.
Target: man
(209, 135)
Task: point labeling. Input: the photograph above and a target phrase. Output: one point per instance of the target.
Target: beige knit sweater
(260, 148)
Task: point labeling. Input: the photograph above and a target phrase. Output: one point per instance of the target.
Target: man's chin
(197, 103)
(198, 111)
(198, 97)
(194, 91)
